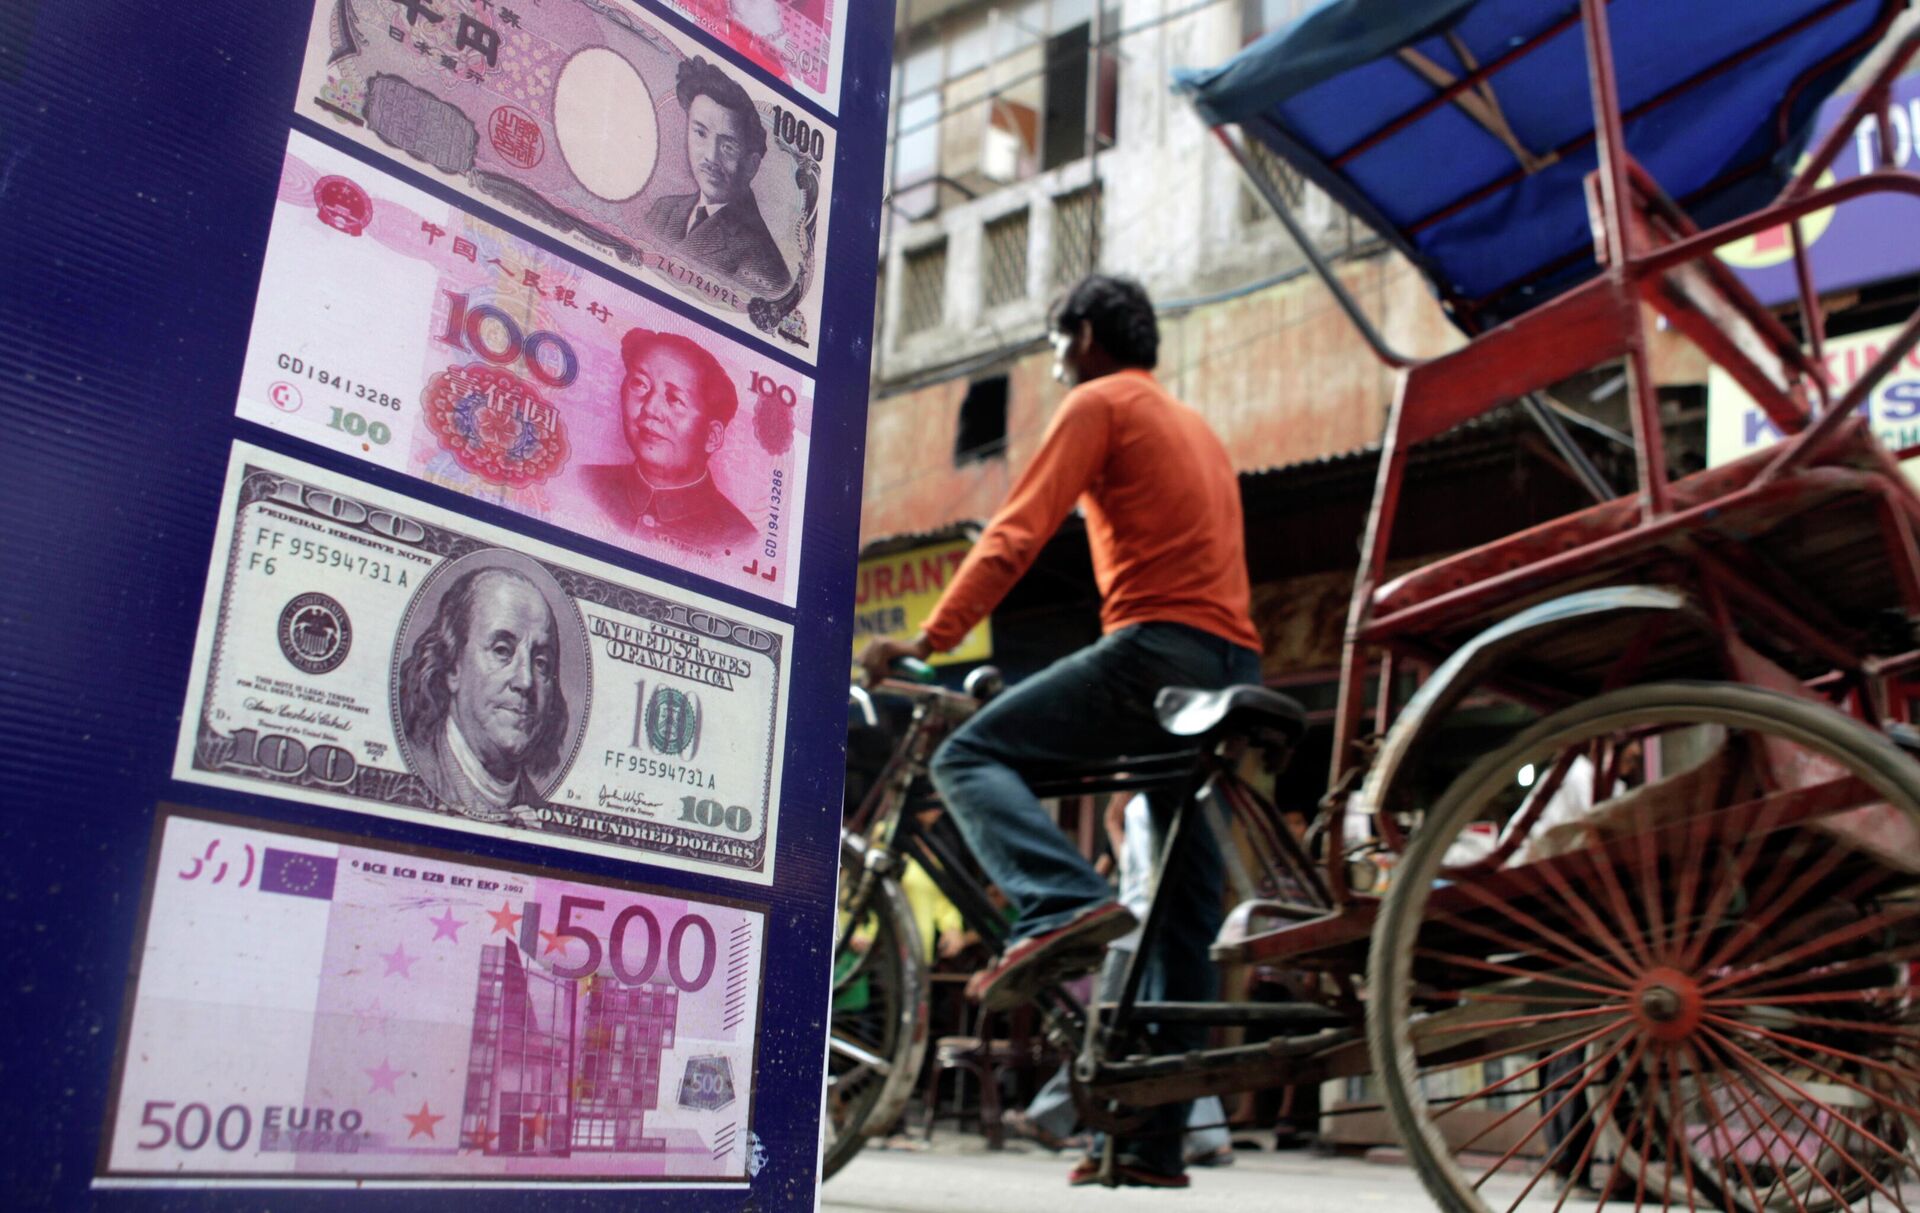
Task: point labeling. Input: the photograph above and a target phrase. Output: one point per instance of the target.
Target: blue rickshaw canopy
(1483, 190)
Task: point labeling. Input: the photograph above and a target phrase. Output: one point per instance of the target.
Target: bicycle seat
(1206, 715)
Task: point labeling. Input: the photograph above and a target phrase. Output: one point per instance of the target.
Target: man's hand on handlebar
(880, 654)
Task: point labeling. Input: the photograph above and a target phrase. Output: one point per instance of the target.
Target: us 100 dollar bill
(314, 1007)
(361, 649)
(400, 330)
(600, 124)
(798, 42)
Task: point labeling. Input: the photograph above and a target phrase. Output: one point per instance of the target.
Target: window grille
(1076, 228)
(1267, 165)
(923, 289)
(1003, 276)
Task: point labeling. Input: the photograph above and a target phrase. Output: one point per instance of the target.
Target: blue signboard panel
(1858, 242)
(434, 431)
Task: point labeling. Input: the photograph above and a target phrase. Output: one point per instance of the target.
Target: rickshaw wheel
(879, 1012)
(1694, 995)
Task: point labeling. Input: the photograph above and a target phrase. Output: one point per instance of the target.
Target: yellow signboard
(895, 594)
(1737, 426)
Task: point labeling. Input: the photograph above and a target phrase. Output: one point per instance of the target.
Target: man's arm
(1071, 453)
(1073, 450)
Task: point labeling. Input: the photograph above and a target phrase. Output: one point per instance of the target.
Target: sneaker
(1127, 1173)
(1030, 964)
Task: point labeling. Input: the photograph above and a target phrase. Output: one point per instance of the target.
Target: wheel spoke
(1575, 957)
(1776, 904)
(845, 1047)
(1593, 1072)
(1526, 1047)
(1474, 1025)
(1677, 1146)
(1506, 970)
(1905, 1036)
(1827, 972)
(1717, 904)
(1650, 896)
(1601, 857)
(1766, 1077)
(1739, 1163)
(1740, 1092)
(1692, 860)
(1832, 939)
(1578, 903)
(1774, 1075)
(1619, 1086)
(1546, 1164)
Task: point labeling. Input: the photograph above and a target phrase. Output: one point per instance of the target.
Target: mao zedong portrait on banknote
(719, 225)
(676, 403)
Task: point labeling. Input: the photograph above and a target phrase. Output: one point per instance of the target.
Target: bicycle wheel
(879, 1032)
(1695, 992)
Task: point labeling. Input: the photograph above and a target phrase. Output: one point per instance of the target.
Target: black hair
(696, 76)
(1121, 315)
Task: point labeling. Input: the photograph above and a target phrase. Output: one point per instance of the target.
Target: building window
(1003, 253)
(983, 422)
(1266, 164)
(923, 289)
(1066, 129)
(1076, 233)
(988, 98)
(1259, 17)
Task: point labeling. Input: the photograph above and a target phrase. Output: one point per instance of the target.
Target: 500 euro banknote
(367, 651)
(601, 124)
(313, 1007)
(400, 330)
(798, 42)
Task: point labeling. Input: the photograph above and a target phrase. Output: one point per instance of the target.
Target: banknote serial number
(195, 1126)
(335, 380)
(271, 546)
(639, 764)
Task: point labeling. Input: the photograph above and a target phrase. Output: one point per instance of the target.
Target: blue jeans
(1098, 704)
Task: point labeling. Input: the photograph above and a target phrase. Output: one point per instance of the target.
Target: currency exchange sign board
(431, 489)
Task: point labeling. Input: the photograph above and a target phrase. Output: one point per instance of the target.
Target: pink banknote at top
(310, 1007)
(400, 330)
(798, 42)
(603, 124)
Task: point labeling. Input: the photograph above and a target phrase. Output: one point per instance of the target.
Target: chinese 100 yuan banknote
(599, 123)
(361, 649)
(400, 330)
(311, 1007)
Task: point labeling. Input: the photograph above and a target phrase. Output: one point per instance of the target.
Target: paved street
(965, 1179)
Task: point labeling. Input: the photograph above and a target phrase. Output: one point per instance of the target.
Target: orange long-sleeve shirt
(1163, 517)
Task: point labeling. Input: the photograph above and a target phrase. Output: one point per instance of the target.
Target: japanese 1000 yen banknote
(395, 328)
(798, 42)
(367, 651)
(314, 1007)
(600, 124)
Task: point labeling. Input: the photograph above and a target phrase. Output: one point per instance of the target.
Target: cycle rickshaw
(1705, 977)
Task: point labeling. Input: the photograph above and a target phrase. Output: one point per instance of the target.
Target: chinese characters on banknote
(399, 330)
